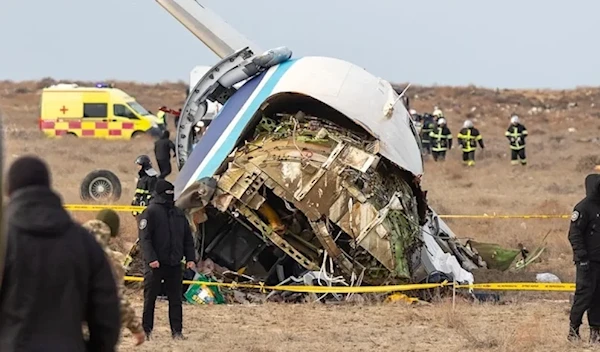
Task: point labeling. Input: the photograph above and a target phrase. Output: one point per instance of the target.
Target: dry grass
(551, 184)
(525, 326)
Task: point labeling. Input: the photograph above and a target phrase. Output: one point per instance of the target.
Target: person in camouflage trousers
(104, 227)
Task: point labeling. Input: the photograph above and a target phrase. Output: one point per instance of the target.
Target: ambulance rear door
(60, 110)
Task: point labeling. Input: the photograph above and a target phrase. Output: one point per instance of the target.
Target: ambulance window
(121, 110)
(95, 110)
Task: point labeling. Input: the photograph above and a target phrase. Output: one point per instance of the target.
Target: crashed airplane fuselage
(312, 165)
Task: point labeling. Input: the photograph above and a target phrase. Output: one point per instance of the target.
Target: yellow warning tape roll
(499, 286)
(130, 208)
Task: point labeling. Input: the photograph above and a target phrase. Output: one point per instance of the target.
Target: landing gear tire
(100, 186)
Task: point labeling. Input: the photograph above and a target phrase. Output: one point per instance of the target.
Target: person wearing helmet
(437, 113)
(516, 133)
(416, 118)
(441, 140)
(427, 125)
(468, 137)
(146, 181)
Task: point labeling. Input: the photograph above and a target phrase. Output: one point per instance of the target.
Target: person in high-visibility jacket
(161, 116)
(468, 137)
(516, 133)
(146, 181)
(441, 140)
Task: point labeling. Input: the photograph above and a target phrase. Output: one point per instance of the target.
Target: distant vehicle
(94, 112)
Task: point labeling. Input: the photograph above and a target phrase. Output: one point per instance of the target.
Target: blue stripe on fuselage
(219, 124)
(222, 121)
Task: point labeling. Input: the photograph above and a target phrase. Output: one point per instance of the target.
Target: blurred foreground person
(56, 275)
(584, 235)
(104, 227)
(165, 237)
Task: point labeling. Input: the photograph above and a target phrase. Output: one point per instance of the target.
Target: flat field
(562, 150)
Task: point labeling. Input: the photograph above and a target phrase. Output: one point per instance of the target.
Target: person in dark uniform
(584, 236)
(165, 237)
(468, 137)
(56, 275)
(441, 140)
(516, 133)
(145, 183)
(162, 151)
(427, 126)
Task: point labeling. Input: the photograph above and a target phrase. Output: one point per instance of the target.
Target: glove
(584, 266)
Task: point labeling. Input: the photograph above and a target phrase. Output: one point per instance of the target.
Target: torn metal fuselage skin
(317, 167)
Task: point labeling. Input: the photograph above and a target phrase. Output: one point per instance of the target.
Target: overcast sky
(509, 43)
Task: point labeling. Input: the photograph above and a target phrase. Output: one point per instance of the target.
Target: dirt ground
(526, 326)
(562, 150)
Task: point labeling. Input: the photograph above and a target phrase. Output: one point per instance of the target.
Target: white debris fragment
(572, 130)
(547, 277)
(291, 170)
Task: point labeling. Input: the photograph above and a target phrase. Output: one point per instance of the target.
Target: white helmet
(468, 124)
(441, 121)
(514, 119)
(412, 111)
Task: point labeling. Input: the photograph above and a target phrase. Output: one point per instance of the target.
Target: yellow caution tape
(522, 286)
(499, 286)
(129, 208)
(89, 207)
(505, 216)
(311, 289)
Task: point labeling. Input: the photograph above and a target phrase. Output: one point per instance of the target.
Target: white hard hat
(514, 119)
(413, 111)
(468, 124)
(442, 121)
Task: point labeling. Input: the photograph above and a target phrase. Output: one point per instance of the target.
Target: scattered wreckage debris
(304, 201)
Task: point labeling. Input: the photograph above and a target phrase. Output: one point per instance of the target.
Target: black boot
(574, 333)
(594, 334)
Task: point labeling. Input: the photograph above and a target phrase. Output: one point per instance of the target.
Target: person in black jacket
(584, 235)
(165, 237)
(162, 152)
(56, 275)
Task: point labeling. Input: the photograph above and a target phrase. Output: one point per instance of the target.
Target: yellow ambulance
(94, 112)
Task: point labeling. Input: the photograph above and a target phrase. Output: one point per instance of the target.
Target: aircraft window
(121, 110)
(91, 110)
(138, 108)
